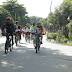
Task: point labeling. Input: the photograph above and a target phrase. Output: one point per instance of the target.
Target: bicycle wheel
(29, 38)
(16, 41)
(11, 48)
(18, 38)
(34, 43)
(36, 46)
(6, 47)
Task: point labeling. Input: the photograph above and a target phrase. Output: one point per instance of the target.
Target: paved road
(50, 58)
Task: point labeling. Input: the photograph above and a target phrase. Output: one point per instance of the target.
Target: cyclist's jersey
(39, 29)
(32, 28)
(19, 27)
(27, 29)
(16, 27)
(9, 27)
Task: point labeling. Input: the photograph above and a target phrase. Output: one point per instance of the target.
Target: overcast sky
(40, 8)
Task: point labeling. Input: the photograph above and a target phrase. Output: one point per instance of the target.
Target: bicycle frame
(8, 43)
(17, 38)
(27, 37)
(37, 42)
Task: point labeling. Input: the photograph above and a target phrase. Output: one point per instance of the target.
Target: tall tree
(18, 11)
(3, 14)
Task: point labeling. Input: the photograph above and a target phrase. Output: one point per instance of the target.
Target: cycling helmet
(8, 18)
(38, 23)
(16, 22)
(33, 24)
(27, 24)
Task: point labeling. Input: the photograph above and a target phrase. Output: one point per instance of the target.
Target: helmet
(16, 22)
(27, 24)
(38, 23)
(33, 24)
(8, 18)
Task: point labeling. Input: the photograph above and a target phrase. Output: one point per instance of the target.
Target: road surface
(51, 58)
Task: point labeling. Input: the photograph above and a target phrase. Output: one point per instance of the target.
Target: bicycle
(8, 44)
(17, 37)
(27, 38)
(36, 42)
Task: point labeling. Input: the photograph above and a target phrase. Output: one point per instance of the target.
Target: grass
(68, 44)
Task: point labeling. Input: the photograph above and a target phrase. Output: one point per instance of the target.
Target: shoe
(13, 43)
(9, 45)
(41, 43)
(35, 47)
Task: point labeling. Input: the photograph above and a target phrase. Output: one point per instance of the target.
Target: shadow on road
(24, 59)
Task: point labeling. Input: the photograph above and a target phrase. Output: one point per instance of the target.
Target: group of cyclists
(17, 28)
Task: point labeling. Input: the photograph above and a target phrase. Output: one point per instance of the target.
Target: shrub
(63, 39)
(54, 35)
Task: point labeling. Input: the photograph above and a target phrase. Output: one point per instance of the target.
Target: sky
(39, 8)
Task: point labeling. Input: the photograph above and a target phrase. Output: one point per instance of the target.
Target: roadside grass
(68, 44)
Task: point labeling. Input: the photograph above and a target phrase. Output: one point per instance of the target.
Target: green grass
(68, 44)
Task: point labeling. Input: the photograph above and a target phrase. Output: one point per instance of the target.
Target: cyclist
(9, 28)
(16, 25)
(23, 31)
(40, 30)
(18, 28)
(27, 30)
(32, 29)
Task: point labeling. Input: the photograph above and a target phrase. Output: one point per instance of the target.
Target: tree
(3, 14)
(17, 11)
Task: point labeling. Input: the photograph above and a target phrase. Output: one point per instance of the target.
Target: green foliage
(69, 25)
(67, 0)
(59, 36)
(3, 14)
(51, 36)
(54, 35)
(59, 17)
(17, 10)
(35, 19)
(63, 39)
(70, 36)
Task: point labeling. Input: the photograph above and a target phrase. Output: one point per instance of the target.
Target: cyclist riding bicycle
(18, 28)
(23, 31)
(27, 30)
(9, 28)
(40, 30)
(32, 29)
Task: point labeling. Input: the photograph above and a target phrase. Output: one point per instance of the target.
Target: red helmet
(8, 18)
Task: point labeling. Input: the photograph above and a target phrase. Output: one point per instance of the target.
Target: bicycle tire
(16, 41)
(36, 50)
(11, 48)
(6, 48)
(36, 46)
(29, 38)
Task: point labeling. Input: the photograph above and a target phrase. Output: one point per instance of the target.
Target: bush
(54, 35)
(59, 36)
(51, 36)
(63, 39)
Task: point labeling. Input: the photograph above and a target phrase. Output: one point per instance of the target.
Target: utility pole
(50, 5)
(15, 16)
